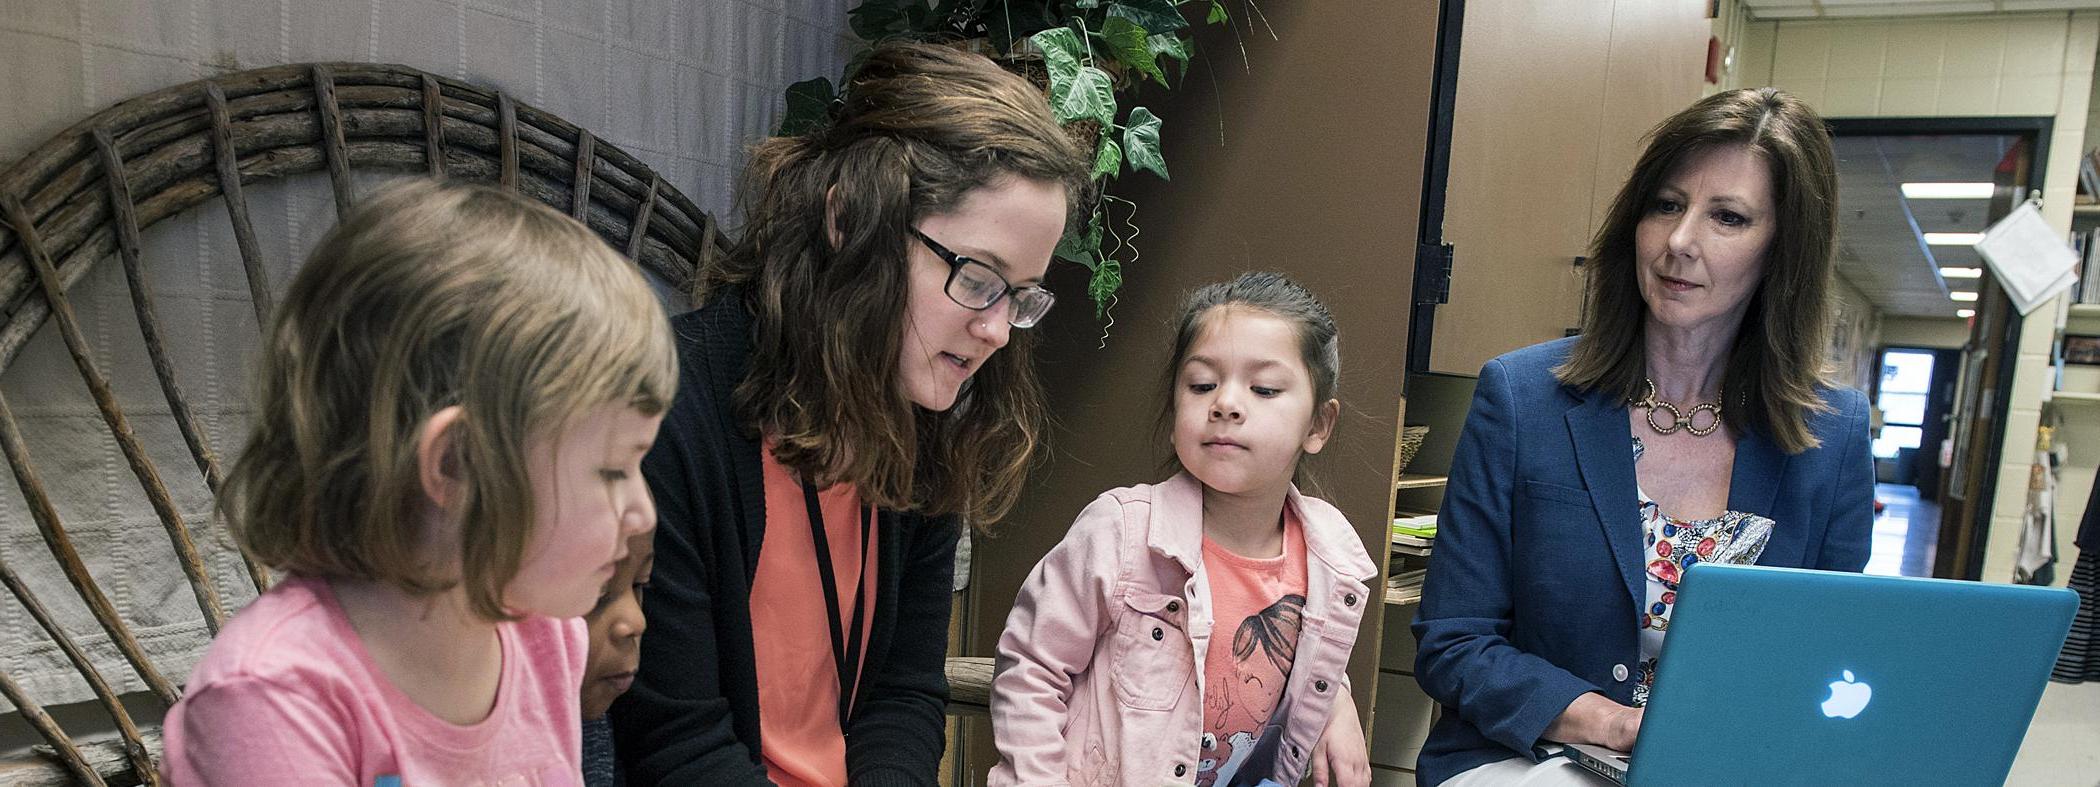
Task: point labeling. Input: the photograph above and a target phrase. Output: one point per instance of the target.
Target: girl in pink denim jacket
(1197, 630)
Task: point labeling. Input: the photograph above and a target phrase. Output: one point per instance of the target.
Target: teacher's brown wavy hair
(919, 126)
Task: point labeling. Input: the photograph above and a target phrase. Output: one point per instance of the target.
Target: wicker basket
(82, 199)
(1411, 438)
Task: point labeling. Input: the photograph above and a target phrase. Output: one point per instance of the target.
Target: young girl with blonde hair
(453, 403)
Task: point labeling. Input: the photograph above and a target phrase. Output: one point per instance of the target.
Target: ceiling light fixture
(1961, 273)
(1953, 238)
(1947, 190)
(1964, 297)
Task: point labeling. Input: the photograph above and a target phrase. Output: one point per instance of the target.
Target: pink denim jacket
(1099, 678)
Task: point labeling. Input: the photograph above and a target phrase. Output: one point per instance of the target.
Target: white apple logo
(1847, 698)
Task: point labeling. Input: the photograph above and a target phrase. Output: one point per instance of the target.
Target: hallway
(1906, 534)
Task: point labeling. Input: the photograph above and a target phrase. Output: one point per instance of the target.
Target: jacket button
(1618, 672)
(1158, 635)
(1180, 769)
(1173, 606)
(1349, 600)
(1320, 685)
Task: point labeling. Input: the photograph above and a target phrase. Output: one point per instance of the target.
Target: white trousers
(1553, 772)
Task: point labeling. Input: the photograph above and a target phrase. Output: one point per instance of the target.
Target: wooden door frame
(1968, 509)
(1432, 274)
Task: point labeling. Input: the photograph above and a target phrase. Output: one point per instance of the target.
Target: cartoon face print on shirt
(1240, 749)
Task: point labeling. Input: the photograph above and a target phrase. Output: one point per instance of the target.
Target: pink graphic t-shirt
(1259, 606)
(288, 695)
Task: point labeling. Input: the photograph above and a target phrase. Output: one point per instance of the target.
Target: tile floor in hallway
(2062, 747)
(1906, 534)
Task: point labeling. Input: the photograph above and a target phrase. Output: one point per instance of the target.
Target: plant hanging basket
(1025, 61)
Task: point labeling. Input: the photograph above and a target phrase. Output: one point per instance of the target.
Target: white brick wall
(2009, 64)
(2001, 65)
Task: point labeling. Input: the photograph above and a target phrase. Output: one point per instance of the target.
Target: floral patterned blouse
(1673, 546)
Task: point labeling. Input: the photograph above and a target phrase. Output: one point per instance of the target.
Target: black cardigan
(692, 716)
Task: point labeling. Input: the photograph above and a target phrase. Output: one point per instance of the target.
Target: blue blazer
(1533, 596)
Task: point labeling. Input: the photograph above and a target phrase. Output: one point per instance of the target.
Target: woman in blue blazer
(1688, 423)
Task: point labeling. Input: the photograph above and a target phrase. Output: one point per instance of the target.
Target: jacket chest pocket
(1152, 657)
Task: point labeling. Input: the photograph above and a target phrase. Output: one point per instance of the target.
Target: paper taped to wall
(2028, 257)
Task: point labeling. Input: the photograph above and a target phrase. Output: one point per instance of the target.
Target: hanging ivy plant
(1083, 52)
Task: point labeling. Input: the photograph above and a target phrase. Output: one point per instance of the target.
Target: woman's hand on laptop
(1594, 719)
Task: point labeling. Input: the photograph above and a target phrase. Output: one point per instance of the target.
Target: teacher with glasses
(853, 388)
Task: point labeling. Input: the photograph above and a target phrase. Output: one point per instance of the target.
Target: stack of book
(1414, 535)
(2086, 243)
(1405, 587)
(2088, 177)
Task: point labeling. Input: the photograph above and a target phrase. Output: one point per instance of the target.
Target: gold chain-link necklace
(1679, 419)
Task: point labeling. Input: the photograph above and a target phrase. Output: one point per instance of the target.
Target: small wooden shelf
(1414, 481)
(2075, 397)
(2085, 209)
(2080, 310)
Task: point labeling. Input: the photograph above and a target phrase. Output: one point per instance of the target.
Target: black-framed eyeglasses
(974, 285)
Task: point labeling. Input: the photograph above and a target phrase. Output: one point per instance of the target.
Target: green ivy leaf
(808, 107)
(1087, 3)
(1004, 21)
(1141, 143)
(1108, 159)
(1217, 13)
(918, 17)
(853, 64)
(1167, 44)
(1061, 53)
(1156, 16)
(1177, 47)
(1108, 277)
(955, 17)
(1092, 96)
(874, 20)
(1082, 246)
(1127, 43)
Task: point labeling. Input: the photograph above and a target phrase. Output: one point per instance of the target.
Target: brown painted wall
(1306, 157)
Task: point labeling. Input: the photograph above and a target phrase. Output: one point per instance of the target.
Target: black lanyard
(845, 645)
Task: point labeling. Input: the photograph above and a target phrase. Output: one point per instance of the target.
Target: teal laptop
(1785, 676)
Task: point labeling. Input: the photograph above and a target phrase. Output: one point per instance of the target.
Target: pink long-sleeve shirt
(287, 694)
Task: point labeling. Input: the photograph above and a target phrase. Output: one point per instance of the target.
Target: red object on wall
(1713, 60)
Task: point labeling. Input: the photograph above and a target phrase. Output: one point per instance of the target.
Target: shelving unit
(1414, 481)
(1402, 712)
(2076, 384)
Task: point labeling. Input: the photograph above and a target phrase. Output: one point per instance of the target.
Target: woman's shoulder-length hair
(1778, 360)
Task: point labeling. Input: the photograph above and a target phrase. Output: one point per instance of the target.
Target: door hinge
(1433, 273)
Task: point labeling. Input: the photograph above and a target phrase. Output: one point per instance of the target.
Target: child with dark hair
(1198, 629)
(616, 625)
